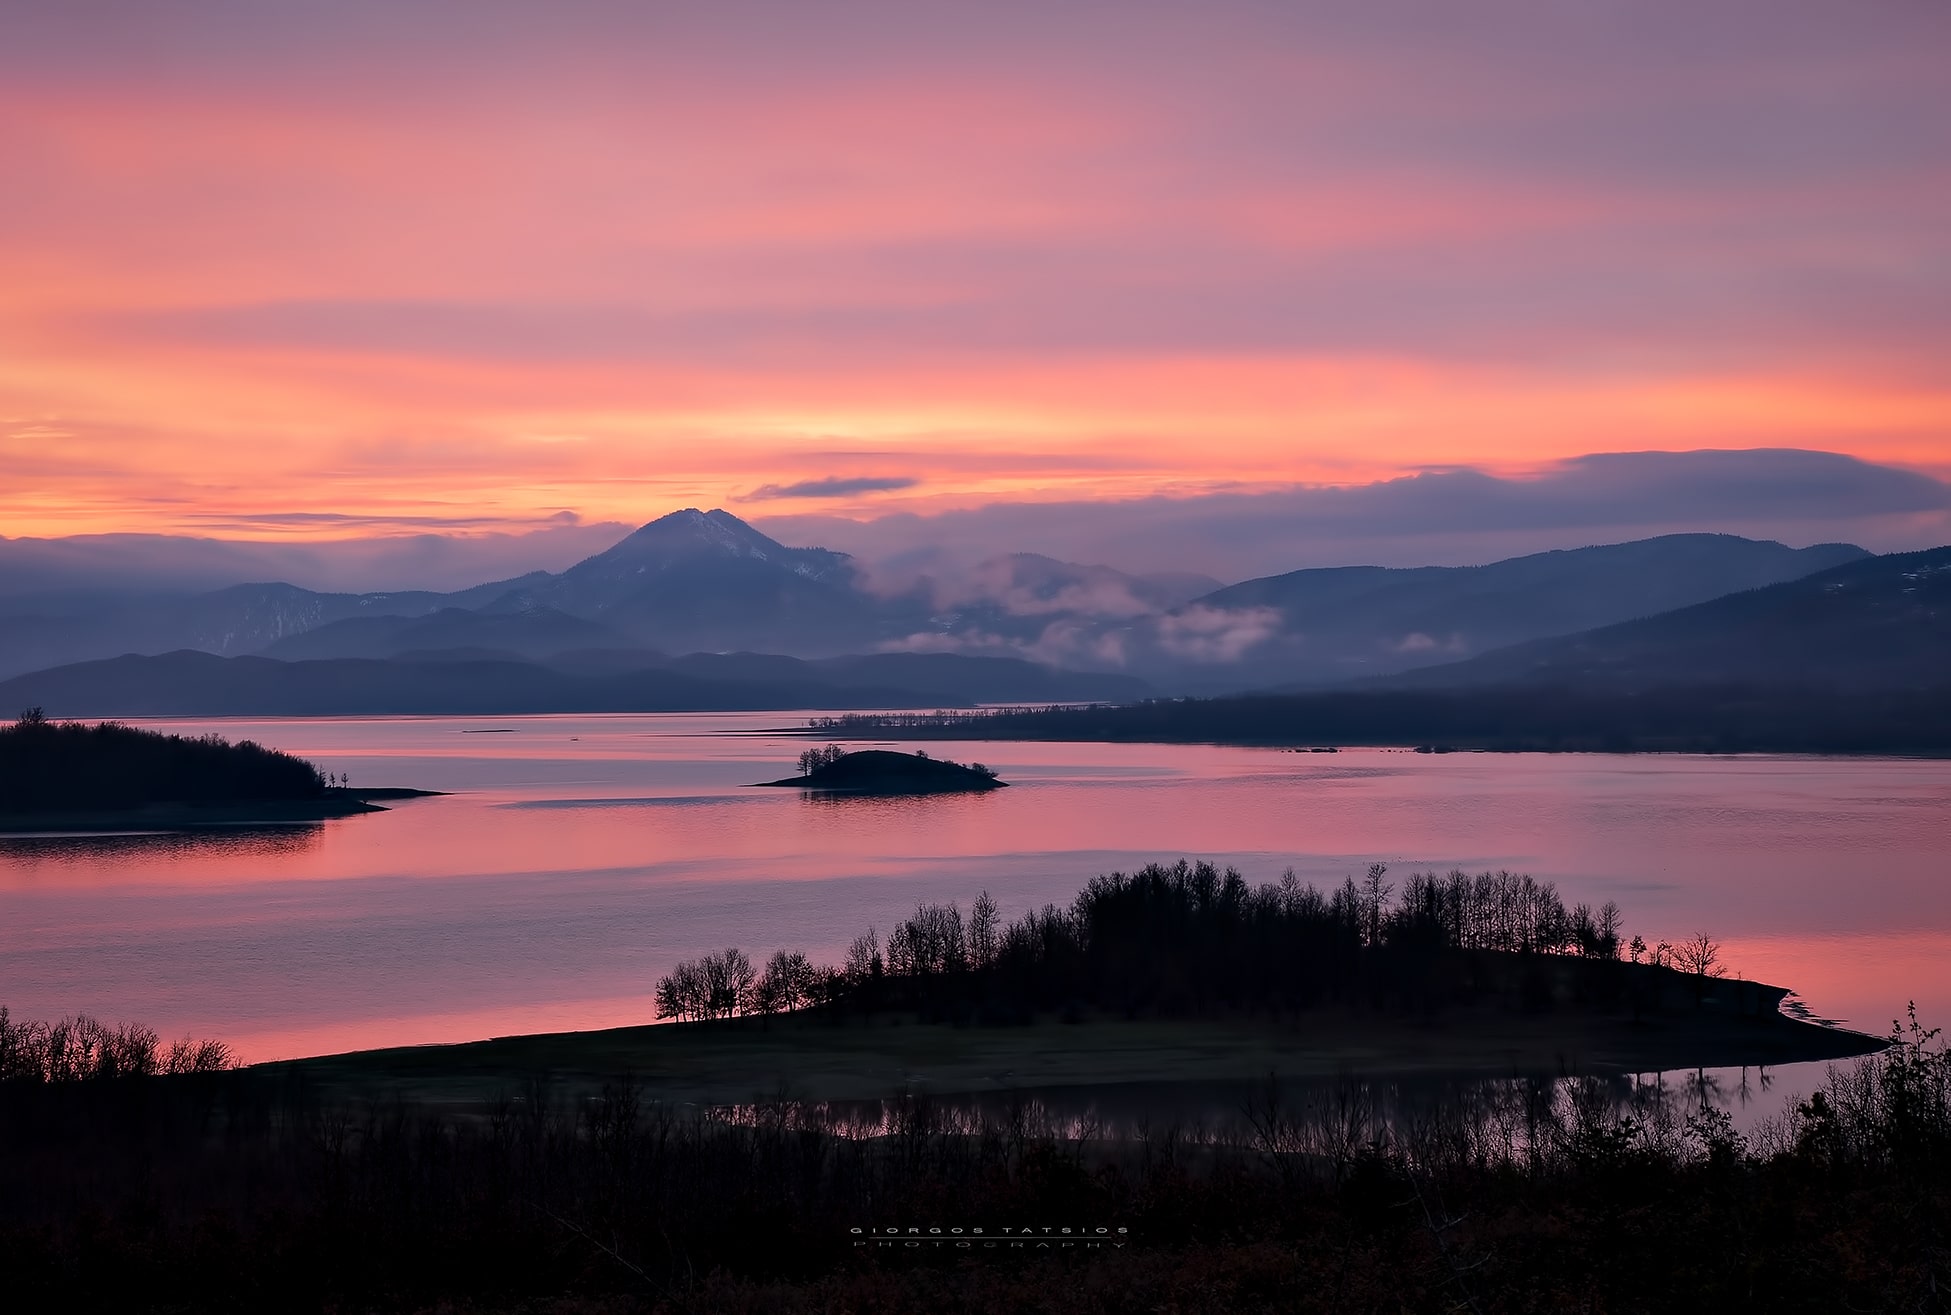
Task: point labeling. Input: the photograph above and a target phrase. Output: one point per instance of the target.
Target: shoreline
(339, 802)
(963, 734)
(825, 1058)
(1339, 746)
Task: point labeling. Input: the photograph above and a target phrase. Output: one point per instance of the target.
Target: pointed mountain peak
(716, 532)
(692, 538)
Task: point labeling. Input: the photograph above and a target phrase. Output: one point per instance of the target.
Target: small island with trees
(78, 776)
(882, 772)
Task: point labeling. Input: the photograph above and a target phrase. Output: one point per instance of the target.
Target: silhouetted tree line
(811, 760)
(249, 1190)
(1191, 938)
(1707, 719)
(48, 766)
(85, 1049)
(722, 985)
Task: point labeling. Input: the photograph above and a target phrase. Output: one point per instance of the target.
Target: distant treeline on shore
(56, 767)
(1703, 719)
(1192, 939)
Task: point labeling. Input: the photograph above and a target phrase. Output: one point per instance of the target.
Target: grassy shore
(823, 1058)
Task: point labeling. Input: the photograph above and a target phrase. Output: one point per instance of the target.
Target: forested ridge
(1724, 718)
(58, 767)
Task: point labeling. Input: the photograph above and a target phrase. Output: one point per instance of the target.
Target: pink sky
(480, 264)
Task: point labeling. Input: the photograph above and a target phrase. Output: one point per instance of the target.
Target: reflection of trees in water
(269, 841)
(1322, 1124)
(852, 810)
(856, 801)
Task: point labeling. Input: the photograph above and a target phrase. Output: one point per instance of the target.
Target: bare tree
(1700, 955)
(982, 930)
(1375, 898)
(728, 982)
(681, 993)
(864, 956)
(933, 941)
(1610, 917)
(786, 984)
(813, 759)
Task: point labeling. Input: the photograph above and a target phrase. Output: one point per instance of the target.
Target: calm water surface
(579, 857)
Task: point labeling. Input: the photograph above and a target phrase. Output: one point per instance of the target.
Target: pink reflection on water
(579, 857)
(421, 1029)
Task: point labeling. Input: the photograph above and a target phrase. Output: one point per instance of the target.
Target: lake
(579, 857)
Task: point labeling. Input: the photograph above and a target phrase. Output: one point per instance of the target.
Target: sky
(316, 271)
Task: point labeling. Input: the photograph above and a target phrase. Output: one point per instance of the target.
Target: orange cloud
(615, 269)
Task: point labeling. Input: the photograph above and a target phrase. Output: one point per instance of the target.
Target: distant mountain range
(461, 682)
(533, 632)
(88, 569)
(1328, 626)
(244, 618)
(697, 608)
(1855, 659)
(1878, 624)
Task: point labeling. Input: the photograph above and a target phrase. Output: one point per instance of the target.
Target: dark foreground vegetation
(245, 1190)
(63, 767)
(1701, 719)
(135, 1176)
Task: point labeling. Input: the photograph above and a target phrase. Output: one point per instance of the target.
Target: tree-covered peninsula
(58, 775)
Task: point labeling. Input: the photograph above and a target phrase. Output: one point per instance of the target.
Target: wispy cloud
(377, 521)
(839, 486)
(1451, 517)
(1215, 634)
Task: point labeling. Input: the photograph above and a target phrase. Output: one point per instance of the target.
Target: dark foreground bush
(242, 1191)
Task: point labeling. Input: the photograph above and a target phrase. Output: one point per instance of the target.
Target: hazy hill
(240, 619)
(530, 632)
(470, 681)
(1883, 623)
(1327, 625)
(948, 677)
(200, 684)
